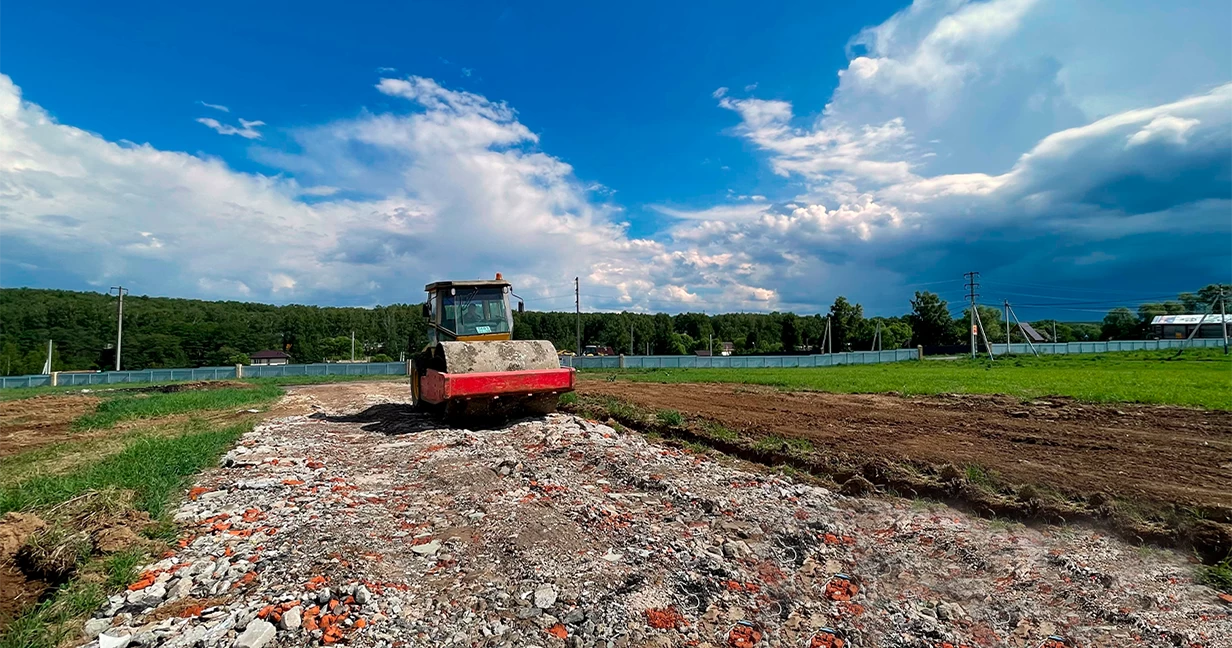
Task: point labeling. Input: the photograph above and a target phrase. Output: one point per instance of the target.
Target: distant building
(270, 358)
(1178, 327)
(725, 349)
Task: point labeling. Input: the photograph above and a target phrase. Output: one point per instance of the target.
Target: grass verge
(51, 622)
(1196, 378)
(157, 404)
(153, 467)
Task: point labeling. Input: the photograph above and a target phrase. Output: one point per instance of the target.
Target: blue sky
(734, 157)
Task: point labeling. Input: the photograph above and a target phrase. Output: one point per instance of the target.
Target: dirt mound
(39, 552)
(19, 590)
(15, 528)
(199, 385)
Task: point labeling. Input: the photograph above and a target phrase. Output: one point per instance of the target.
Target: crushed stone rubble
(563, 531)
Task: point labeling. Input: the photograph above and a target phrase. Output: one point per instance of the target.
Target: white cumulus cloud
(449, 185)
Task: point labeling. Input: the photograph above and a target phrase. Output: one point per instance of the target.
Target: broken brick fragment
(743, 636)
(192, 611)
(664, 618)
(826, 638)
(840, 588)
(141, 584)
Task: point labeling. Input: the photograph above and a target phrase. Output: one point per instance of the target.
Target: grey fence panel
(14, 382)
(1110, 346)
(326, 369)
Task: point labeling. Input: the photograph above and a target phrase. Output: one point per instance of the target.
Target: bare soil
(18, 591)
(1162, 474)
(343, 397)
(30, 423)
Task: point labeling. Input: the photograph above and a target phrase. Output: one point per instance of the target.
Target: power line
(931, 283)
(1064, 288)
(1084, 300)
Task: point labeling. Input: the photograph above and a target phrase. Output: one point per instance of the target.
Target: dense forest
(166, 332)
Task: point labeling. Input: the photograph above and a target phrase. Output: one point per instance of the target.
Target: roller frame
(438, 387)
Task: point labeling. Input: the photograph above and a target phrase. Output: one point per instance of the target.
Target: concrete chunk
(258, 633)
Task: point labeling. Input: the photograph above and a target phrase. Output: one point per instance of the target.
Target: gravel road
(350, 520)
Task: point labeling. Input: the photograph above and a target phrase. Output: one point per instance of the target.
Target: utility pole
(1054, 333)
(121, 291)
(711, 345)
(1223, 320)
(972, 284)
(829, 337)
(631, 336)
(352, 345)
(1007, 326)
(1020, 330)
(577, 305)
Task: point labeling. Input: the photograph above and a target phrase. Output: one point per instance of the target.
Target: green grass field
(157, 404)
(1197, 378)
(154, 468)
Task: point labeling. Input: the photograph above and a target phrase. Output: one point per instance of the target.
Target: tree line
(164, 332)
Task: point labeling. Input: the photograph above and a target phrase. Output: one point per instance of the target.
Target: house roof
(262, 355)
(1032, 334)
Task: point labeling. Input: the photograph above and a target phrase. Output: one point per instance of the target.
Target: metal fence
(207, 373)
(582, 362)
(1105, 347)
(327, 369)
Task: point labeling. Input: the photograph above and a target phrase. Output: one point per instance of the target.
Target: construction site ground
(1170, 455)
(347, 518)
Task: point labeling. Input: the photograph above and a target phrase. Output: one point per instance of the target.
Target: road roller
(472, 366)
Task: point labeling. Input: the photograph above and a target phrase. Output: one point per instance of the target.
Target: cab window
(475, 311)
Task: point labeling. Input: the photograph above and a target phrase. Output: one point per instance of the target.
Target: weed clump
(1219, 575)
(670, 417)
